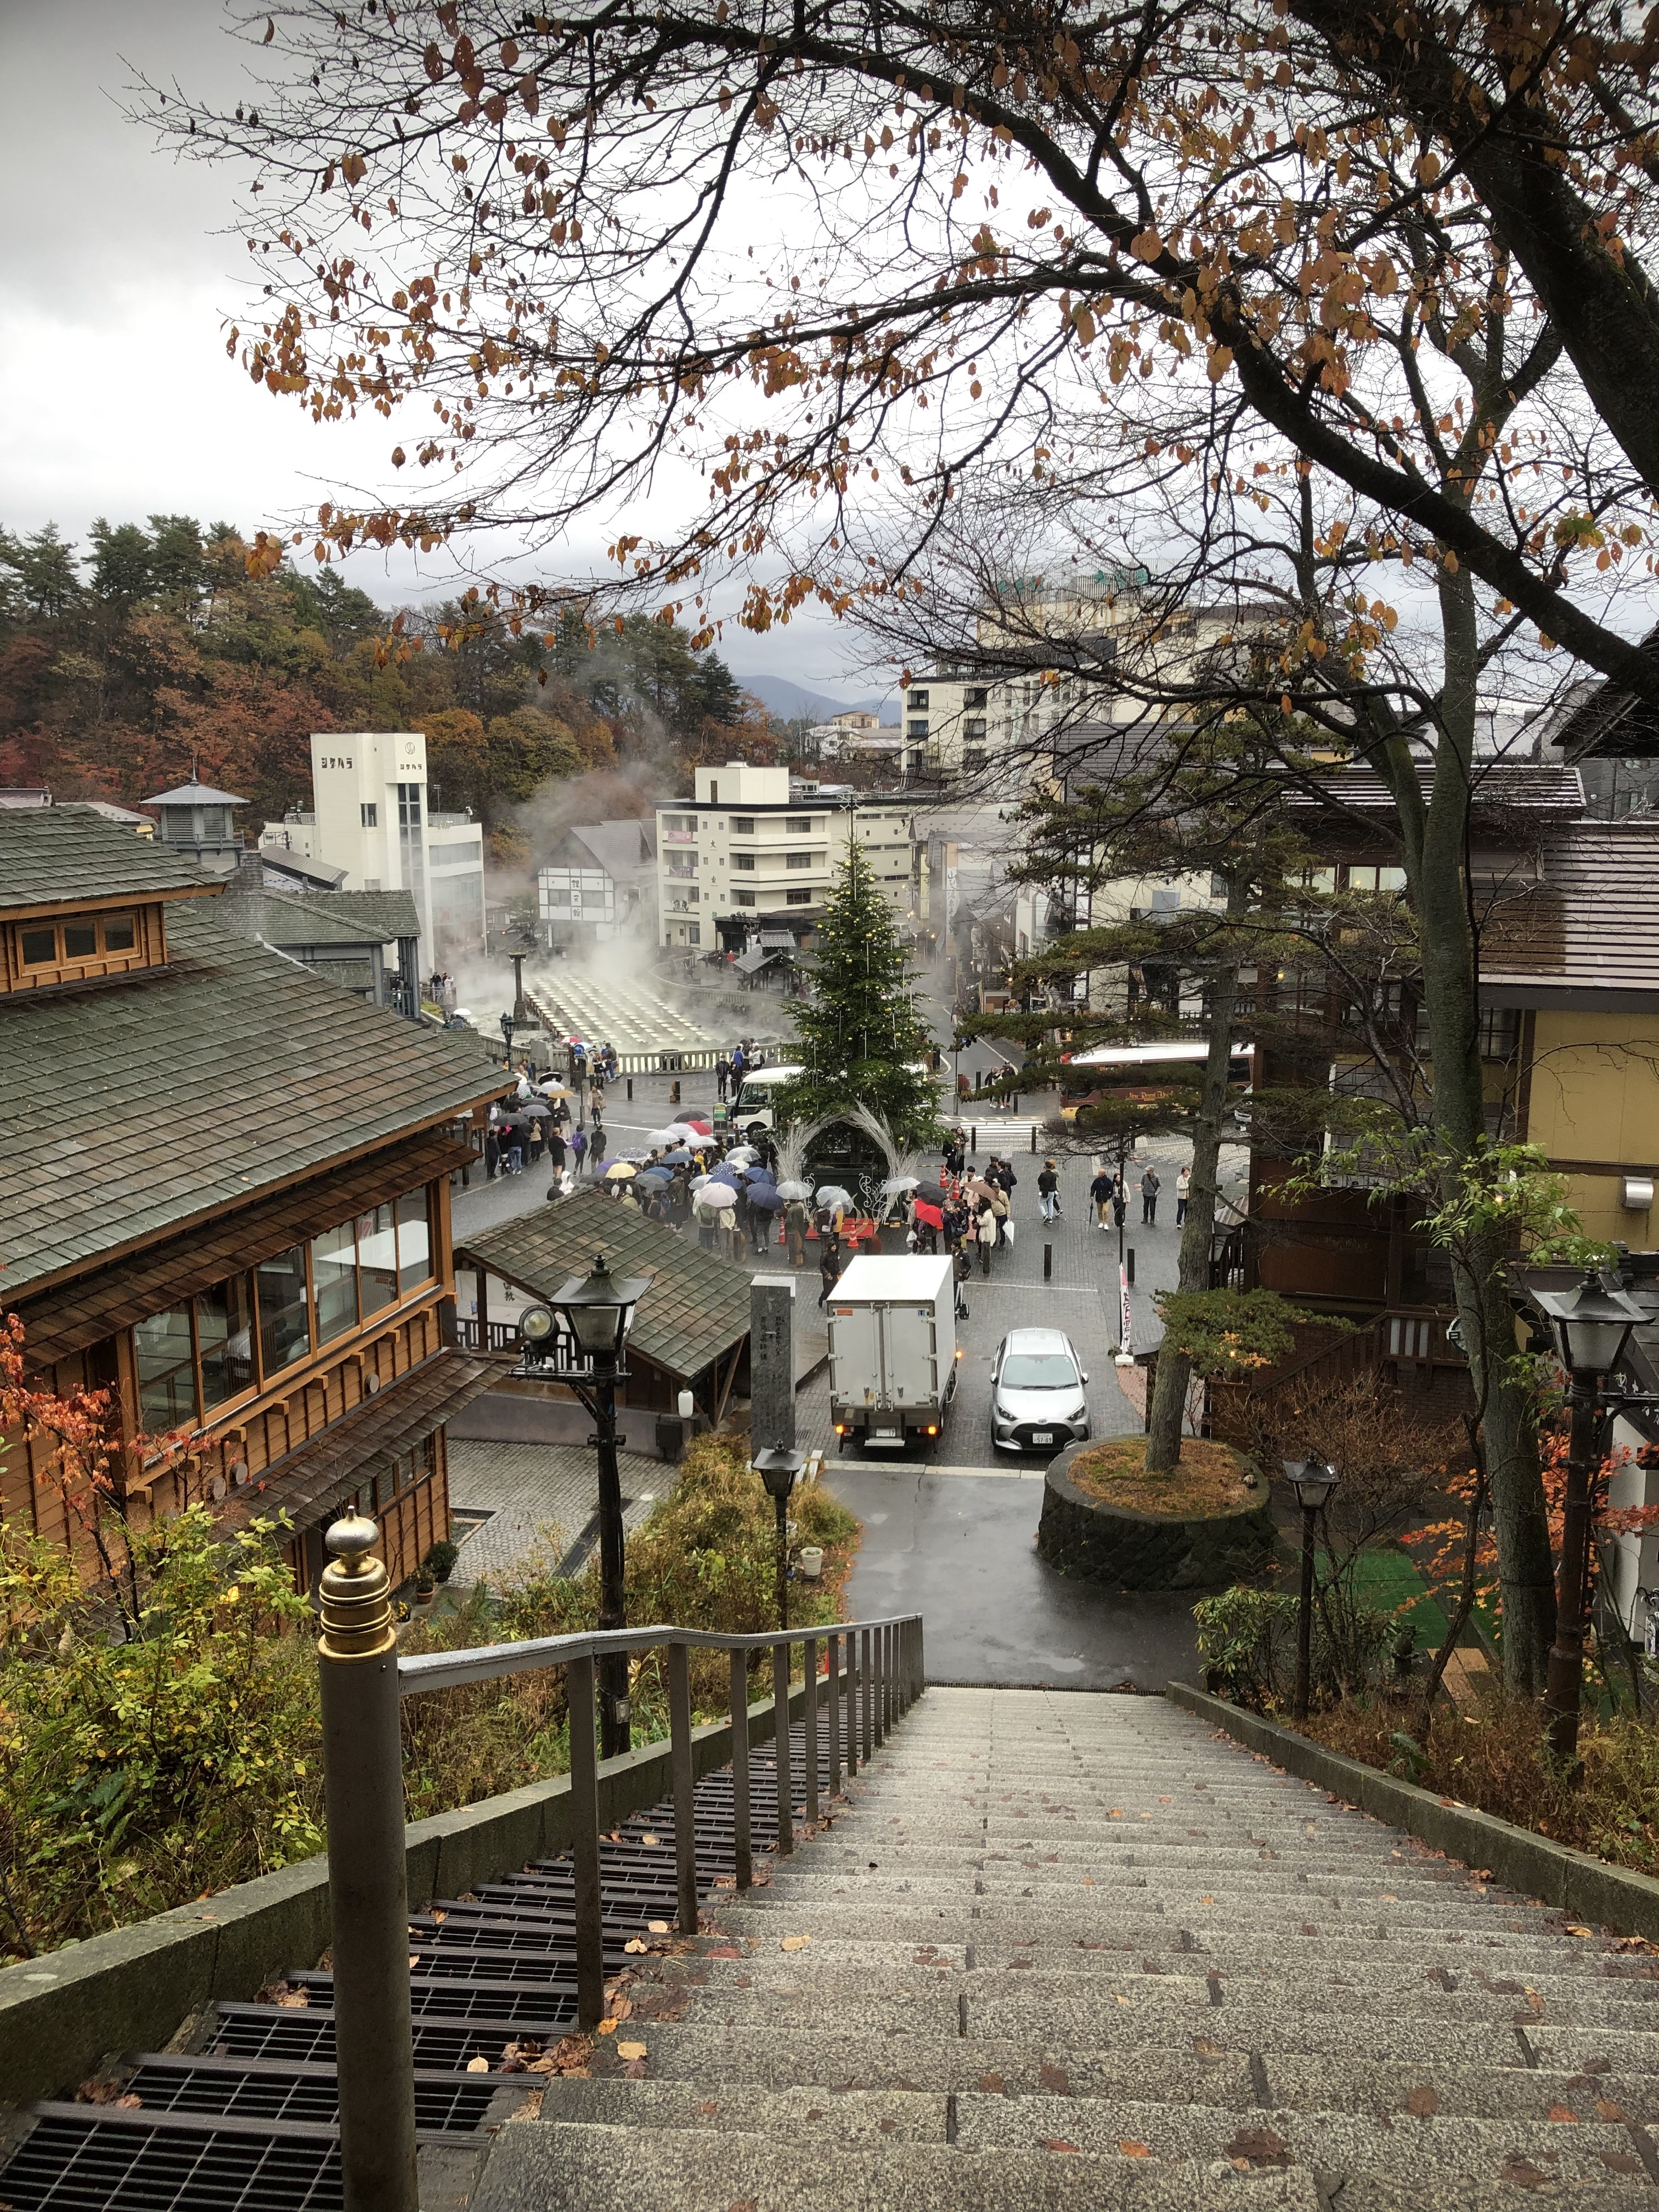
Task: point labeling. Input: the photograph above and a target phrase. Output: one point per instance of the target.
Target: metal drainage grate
(443, 2103)
(249, 2127)
(123, 2162)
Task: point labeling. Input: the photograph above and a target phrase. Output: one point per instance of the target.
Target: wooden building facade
(225, 1195)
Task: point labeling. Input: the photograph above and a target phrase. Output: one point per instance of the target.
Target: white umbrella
(740, 1155)
(831, 1194)
(899, 1182)
(794, 1190)
(718, 1197)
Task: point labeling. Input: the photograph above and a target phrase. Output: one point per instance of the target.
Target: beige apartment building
(965, 723)
(742, 855)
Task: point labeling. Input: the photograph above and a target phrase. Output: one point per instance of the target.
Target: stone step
(1346, 1963)
(1223, 2075)
(1056, 1938)
(1088, 2025)
(1266, 1896)
(902, 1976)
(1432, 2148)
(1425, 2153)
(578, 2166)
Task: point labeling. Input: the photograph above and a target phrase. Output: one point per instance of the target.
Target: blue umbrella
(679, 1158)
(653, 1175)
(764, 1196)
(760, 1176)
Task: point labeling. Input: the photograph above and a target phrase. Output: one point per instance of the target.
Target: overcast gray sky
(118, 277)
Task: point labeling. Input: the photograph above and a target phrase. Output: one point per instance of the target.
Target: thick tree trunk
(1198, 1235)
(1437, 867)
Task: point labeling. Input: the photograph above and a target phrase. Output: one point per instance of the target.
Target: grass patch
(1383, 1576)
(1210, 1478)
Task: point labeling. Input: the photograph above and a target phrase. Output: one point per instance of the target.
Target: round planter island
(1105, 1520)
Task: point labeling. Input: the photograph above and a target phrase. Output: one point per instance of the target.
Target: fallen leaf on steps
(1561, 2112)
(635, 1943)
(1423, 2101)
(649, 1842)
(479, 2065)
(1258, 2147)
(531, 2109)
(630, 2051)
(1059, 2142)
(1130, 2149)
(1606, 2110)
(795, 1942)
(606, 2028)
(657, 1927)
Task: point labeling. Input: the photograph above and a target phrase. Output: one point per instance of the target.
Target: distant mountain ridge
(788, 701)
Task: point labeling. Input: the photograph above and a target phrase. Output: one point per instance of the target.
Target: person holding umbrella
(556, 1148)
(596, 1144)
(578, 1152)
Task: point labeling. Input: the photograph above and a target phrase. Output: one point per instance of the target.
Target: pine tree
(861, 1033)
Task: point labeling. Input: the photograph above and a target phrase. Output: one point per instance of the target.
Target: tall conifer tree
(861, 1033)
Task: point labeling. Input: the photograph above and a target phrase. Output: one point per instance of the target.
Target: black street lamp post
(597, 1312)
(777, 1469)
(1312, 1481)
(1591, 1326)
(507, 1037)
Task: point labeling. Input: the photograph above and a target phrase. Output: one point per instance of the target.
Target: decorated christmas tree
(861, 1036)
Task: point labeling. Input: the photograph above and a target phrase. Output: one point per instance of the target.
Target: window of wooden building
(70, 948)
(244, 1332)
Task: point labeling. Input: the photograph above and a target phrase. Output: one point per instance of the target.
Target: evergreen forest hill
(150, 648)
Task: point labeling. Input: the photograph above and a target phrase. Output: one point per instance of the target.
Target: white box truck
(892, 1349)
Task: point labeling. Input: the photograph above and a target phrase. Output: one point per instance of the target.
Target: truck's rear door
(912, 1355)
(854, 1355)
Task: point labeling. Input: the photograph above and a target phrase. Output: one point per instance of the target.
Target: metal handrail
(489, 1663)
(363, 1679)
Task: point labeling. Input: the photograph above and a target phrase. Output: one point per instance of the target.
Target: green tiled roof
(131, 1109)
(65, 855)
(697, 1307)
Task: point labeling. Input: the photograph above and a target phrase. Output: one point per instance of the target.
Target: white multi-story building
(742, 856)
(369, 816)
(998, 730)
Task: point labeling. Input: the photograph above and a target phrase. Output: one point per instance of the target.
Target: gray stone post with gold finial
(368, 1885)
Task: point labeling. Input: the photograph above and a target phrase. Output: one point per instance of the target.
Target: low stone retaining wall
(132, 1989)
(1116, 1544)
(1585, 1886)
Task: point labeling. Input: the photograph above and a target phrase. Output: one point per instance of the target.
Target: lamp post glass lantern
(1591, 1326)
(777, 1469)
(1313, 1479)
(597, 1310)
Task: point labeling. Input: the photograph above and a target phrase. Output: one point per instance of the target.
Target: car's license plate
(1042, 1436)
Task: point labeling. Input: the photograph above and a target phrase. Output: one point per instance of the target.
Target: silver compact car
(1037, 1399)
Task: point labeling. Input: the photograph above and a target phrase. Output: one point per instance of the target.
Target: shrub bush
(153, 1755)
(1496, 1758)
(1247, 1640)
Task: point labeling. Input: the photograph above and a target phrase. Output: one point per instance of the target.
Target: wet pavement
(960, 1549)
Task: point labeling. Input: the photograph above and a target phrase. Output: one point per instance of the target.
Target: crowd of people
(539, 1128)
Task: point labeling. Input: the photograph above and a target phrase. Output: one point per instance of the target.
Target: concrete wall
(1594, 1098)
(131, 1989)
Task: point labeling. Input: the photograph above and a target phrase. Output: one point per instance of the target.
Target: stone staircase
(1066, 1949)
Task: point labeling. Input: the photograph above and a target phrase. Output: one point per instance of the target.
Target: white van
(752, 1108)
